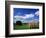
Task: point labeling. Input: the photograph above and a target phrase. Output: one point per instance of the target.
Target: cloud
(23, 18)
(36, 19)
(18, 16)
(26, 16)
(37, 13)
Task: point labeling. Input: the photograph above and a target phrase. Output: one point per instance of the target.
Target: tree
(18, 23)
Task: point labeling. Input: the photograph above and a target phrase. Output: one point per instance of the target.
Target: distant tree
(18, 23)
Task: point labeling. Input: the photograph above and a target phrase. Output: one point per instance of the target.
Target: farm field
(24, 26)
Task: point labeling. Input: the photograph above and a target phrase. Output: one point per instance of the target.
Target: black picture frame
(7, 16)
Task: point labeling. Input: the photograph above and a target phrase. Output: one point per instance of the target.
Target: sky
(26, 15)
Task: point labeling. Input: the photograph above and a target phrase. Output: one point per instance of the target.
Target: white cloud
(36, 20)
(29, 15)
(18, 16)
(26, 16)
(37, 13)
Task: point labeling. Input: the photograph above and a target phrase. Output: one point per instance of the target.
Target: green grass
(24, 26)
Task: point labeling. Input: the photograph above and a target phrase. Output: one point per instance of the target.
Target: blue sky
(26, 14)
